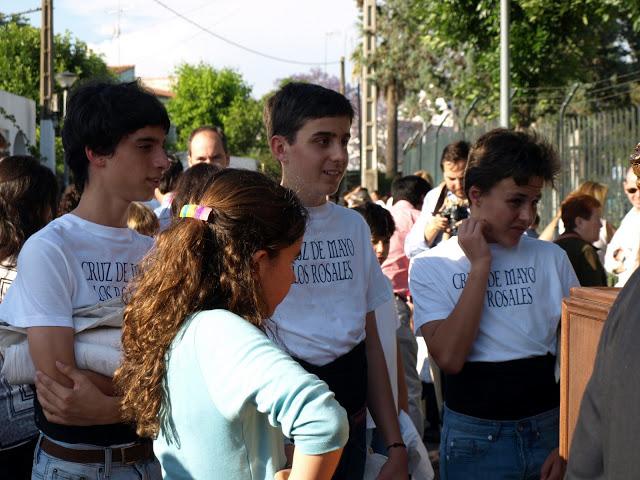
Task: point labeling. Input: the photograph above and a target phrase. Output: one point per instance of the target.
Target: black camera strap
(441, 199)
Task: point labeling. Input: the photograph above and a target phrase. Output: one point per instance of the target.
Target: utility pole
(505, 81)
(369, 95)
(47, 132)
(342, 80)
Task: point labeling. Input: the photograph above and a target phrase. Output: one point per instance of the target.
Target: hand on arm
(450, 340)
(82, 404)
(67, 395)
(381, 404)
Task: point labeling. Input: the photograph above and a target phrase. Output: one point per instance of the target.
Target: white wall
(24, 111)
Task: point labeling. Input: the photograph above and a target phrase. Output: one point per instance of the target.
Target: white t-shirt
(627, 238)
(388, 322)
(70, 263)
(522, 304)
(338, 280)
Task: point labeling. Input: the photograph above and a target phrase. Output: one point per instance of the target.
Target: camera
(454, 213)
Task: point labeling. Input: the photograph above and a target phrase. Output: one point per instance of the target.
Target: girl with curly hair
(28, 197)
(199, 374)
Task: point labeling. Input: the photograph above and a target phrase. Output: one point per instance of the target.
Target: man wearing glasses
(622, 252)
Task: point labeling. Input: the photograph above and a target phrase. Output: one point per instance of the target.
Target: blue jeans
(472, 448)
(46, 467)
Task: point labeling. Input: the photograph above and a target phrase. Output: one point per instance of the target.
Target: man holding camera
(444, 206)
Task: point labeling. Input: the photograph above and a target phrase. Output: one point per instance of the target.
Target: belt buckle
(130, 459)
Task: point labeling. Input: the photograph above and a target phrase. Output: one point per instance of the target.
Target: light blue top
(232, 394)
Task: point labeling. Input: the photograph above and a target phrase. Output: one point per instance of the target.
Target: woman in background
(28, 200)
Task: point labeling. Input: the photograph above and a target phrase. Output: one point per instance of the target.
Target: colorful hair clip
(198, 212)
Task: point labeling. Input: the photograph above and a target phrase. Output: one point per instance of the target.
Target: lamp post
(66, 81)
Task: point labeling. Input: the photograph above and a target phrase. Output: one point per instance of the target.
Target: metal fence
(591, 147)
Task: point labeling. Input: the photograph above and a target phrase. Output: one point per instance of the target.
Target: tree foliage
(451, 49)
(20, 58)
(206, 96)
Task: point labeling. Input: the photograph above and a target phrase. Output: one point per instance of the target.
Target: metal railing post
(435, 151)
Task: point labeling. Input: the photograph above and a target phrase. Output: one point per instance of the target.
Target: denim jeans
(472, 448)
(46, 467)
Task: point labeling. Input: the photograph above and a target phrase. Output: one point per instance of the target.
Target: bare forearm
(549, 231)
(451, 340)
(48, 345)
(403, 392)
(104, 383)
(316, 467)
(112, 411)
(430, 234)
(379, 396)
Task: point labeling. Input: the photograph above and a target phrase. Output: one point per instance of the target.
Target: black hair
(192, 184)
(170, 175)
(287, 110)
(455, 152)
(379, 220)
(100, 115)
(503, 153)
(210, 129)
(411, 188)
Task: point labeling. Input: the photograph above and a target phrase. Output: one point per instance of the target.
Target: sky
(156, 40)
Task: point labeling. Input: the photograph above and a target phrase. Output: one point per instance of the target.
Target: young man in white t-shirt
(488, 304)
(327, 321)
(113, 138)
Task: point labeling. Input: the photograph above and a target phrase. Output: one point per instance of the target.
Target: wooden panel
(583, 316)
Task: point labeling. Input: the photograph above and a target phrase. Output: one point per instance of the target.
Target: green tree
(206, 96)
(396, 65)
(20, 58)
(554, 43)
(244, 127)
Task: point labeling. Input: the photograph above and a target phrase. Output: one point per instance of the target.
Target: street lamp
(66, 81)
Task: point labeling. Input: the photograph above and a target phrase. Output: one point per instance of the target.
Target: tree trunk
(391, 153)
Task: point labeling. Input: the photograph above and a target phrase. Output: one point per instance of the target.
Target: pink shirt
(396, 266)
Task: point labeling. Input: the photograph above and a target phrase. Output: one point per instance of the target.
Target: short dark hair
(100, 115)
(210, 129)
(192, 184)
(378, 218)
(28, 200)
(455, 152)
(411, 188)
(287, 110)
(575, 206)
(170, 175)
(503, 153)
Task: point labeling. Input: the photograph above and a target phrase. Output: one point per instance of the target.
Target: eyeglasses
(631, 191)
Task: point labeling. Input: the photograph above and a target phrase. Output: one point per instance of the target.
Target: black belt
(126, 455)
(346, 377)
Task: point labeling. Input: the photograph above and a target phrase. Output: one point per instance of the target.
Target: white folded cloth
(97, 344)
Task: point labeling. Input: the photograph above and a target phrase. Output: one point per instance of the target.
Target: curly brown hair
(195, 266)
(28, 201)
(142, 219)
